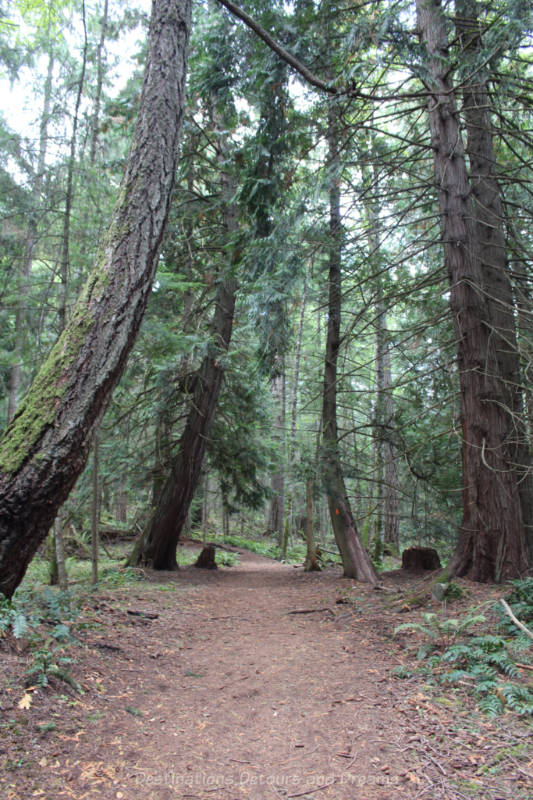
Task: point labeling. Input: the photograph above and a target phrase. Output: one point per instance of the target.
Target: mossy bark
(46, 446)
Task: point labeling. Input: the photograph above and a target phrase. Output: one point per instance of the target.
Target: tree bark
(95, 119)
(492, 247)
(164, 529)
(46, 446)
(277, 504)
(289, 509)
(492, 541)
(69, 195)
(29, 248)
(311, 559)
(355, 559)
(95, 511)
(165, 526)
(59, 552)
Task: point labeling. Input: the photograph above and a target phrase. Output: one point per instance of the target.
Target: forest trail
(229, 694)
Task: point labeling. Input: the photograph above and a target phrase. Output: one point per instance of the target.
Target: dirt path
(228, 694)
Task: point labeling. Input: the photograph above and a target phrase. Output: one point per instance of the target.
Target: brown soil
(251, 682)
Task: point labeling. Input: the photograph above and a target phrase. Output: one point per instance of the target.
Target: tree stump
(206, 559)
(419, 559)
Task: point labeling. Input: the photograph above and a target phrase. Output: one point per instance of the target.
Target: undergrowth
(489, 666)
(40, 620)
(43, 621)
(295, 552)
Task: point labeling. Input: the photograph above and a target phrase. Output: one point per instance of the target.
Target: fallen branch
(143, 614)
(515, 620)
(311, 611)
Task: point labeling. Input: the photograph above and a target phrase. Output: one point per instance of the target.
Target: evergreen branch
(306, 73)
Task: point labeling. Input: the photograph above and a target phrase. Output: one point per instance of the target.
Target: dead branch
(515, 620)
(143, 614)
(311, 611)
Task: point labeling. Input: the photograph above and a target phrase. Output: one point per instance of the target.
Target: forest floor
(252, 681)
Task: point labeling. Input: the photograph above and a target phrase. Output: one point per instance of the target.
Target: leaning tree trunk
(160, 539)
(162, 535)
(46, 446)
(355, 559)
(492, 542)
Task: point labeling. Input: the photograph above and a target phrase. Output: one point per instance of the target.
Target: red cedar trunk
(45, 448)
(355, 559)
(492, 542)
(492, 248)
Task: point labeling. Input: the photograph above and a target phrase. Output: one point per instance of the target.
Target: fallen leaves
(25, 701)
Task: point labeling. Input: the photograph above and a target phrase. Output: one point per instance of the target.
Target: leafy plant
(45, 631)
(441, 632)
(12, 618)
(227, 559)
(487, 664)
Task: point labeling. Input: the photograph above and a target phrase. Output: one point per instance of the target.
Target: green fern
(442, 631)
(518, 698)
(479, 663)
(491, 705)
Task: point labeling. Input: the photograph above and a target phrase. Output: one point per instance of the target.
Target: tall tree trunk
(311, 559)
(162, 534)
(95, 119)
(29, 248)
(69, 196)
(59, 552)
(289, 510)
(492, 247)
(95, 512)
(386, 473)
(45, 448)
(492, 541)
(391, 528)
(164, 529)
(355, 559)
(277, 503)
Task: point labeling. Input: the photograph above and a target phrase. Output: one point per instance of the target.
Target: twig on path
(434, 760)
(515, 620)
(302, 752)
(523, 772)
(310, 611)
(316, 789)
(428, 744)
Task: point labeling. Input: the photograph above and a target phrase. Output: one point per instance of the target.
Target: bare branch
(515, 620)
